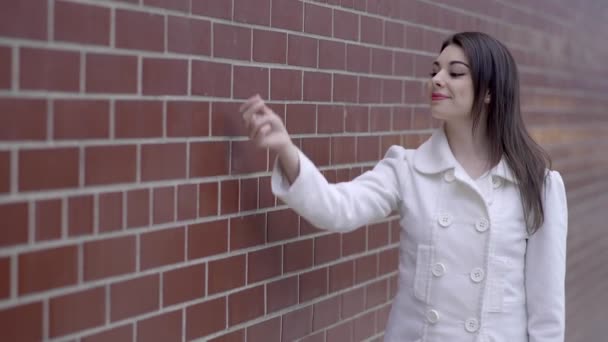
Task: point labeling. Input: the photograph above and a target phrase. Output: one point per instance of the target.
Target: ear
(488, 97)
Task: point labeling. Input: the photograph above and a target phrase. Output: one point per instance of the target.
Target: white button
(438, 269)
(471, 325)
(449, 176)
(432, 316)
(496, 182)
(477, 275)
(445, 220)
(482, 225)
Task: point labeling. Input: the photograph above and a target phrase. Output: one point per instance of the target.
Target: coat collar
(435, 156)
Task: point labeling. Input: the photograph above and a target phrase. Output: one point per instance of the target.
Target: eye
(432, 74)
(455, 75)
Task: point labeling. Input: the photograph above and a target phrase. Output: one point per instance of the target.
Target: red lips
(438, 96)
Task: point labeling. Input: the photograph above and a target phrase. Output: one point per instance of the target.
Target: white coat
(468, 270)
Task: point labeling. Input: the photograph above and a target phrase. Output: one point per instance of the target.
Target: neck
(471, 151)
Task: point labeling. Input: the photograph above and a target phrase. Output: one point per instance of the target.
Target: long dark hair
(494, 72)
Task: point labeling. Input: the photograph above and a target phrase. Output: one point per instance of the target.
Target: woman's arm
(546, 267)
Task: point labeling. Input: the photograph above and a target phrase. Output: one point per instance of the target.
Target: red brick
(110, 211)
(394, 34)
(205, 239)
(22, 119)
(317, 149)
(264, 264)
(81, 119)
(366, 268)
(24, 19)
(80, 23)
(341, 276)
(108, 257)
(317, 20)
(138, 208)
(134, 297)
(163, 76)
(22, 323)
(332, 55)
(209, 159)
(302, 51)
(162, 248)
(187, 119)
(213, 8)
(139, 30)
(80, 215)
(404, 64)
(121, 334)
(183, 284)
(60, 166)
(47, 269)
(236, 336)
(5, 278)
(189, 36)
(249, 194)
(298, 255)
(232, 42)
(285, 84)
(6, 66)
(211, 79)
(364, 326)
(208, 199)
(15, 223)
(48, 219)
(402, 118)
(282, 225)
(269, 46)
(287, 14)
(281, 294)
(317, 86)
(139, 119)
(177, 5)
(246, 305)
(163, 161)
(372, 30)
(296, 324)
(330, 118)
(342, 332)
(370, 90)
(368, 148)
(382, 61)
(252, 12)
(358, 58)
(110, 164)
(313, 284)
(266, 198)
(327, 248)
(61, 70)
(421, 119)
(376, 294)
(186, 201)
(219, 280)
(326, 313)
(247, 231)
(251, 80)
(163, 205)
(382, 318)
(345, 88)
(226, 120)
(229, 196)
(212, 313)
(267, 331)
(318, 337)
(343, 150)
(346, 25)
(392, 91)
(353, 302)
(300, 118)
(377, 235)
(111, 73)
(160, 328)
(389, 261)
(247, 158)
(380, 119)
(76, 311)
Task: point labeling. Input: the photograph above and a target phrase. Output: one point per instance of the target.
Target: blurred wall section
(133, 208)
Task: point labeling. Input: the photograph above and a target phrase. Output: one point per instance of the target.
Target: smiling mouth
(439, 97)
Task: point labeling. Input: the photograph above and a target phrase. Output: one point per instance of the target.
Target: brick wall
(133, 208)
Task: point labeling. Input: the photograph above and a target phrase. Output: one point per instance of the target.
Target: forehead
(452, 53)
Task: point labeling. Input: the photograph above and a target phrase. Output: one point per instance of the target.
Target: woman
(484, 222)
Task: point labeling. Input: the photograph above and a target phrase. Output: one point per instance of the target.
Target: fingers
(249, 102)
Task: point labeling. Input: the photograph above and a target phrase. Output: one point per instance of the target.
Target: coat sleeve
(546, 267)
(342, 206)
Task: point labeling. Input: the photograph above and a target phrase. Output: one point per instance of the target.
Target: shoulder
(398, 153)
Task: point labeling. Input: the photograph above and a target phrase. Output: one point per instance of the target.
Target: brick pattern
(132, 207)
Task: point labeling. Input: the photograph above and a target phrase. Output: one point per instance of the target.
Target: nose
(437, 80)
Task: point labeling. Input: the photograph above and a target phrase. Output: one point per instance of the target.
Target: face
(451, 86)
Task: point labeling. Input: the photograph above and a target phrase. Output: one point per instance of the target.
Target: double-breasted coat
(468, 269)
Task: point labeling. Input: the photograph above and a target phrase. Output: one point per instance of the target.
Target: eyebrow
(452, 63)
